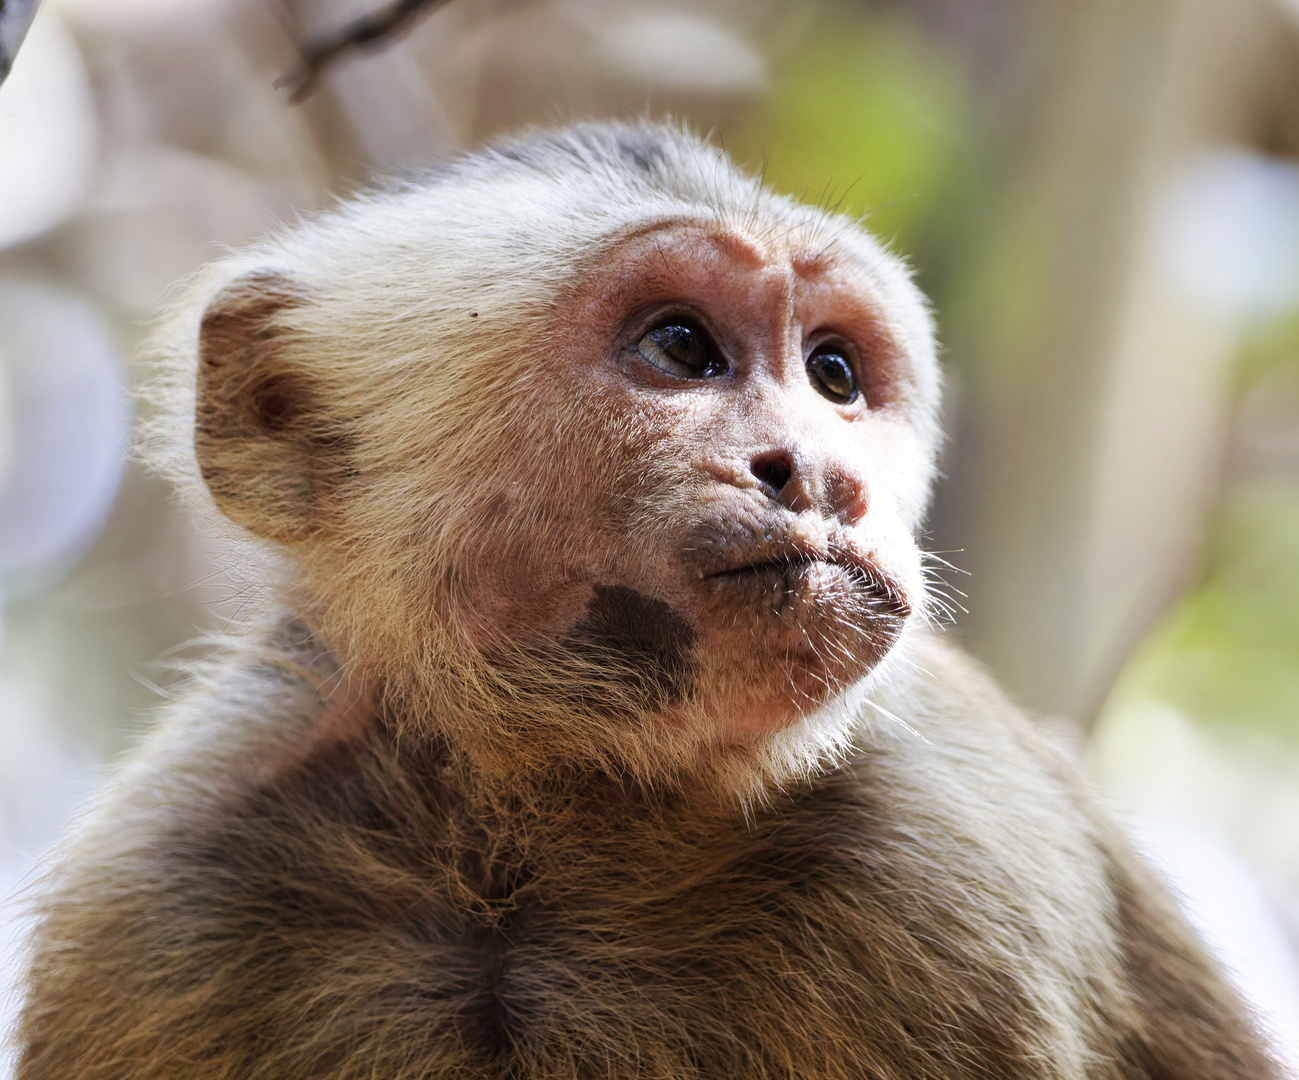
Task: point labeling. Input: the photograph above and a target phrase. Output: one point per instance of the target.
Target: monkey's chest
(755, 969)
(773, 963)
(438, 944)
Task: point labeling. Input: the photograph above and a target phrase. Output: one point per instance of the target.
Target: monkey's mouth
(792, 575)
(812, 606)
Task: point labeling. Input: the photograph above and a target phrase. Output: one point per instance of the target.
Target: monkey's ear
(261, 435)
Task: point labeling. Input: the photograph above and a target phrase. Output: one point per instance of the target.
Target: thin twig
(15, 17)
(371, 31)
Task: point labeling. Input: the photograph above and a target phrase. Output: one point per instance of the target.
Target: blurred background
(1102, 199)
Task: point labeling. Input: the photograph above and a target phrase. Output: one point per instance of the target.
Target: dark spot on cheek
(644, 645)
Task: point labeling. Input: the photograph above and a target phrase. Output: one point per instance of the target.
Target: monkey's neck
(353, 716)
(517, 761)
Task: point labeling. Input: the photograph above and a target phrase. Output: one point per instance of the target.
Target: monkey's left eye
(830, 369)
(681, 347)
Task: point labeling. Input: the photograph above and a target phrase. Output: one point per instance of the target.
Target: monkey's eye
(830, 369)
(681, 347)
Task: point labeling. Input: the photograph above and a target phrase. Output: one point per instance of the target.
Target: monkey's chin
(792, 633)
(772, 744)
(781, 691)
(783, 694)
(748, 719)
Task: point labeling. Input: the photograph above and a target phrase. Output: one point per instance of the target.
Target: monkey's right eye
(681, 347)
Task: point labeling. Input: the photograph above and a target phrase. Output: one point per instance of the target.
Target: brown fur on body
(939, 906)
(602, 739)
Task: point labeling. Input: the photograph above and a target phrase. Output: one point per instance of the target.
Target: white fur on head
(496, 233)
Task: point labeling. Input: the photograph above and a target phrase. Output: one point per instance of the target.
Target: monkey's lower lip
(780, 567)
(799, 572)
(778, 579)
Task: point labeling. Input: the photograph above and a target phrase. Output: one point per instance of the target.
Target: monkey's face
(589, 450)
(721, 522)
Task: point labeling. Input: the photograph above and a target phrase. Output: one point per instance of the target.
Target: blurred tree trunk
(1094, 391)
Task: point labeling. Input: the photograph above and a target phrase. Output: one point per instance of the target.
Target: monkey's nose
(774, 470)
(831, 488)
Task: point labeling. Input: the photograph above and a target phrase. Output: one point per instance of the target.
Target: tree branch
(15, 17)
(372, 31)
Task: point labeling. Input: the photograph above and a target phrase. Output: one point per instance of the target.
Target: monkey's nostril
(773, 468)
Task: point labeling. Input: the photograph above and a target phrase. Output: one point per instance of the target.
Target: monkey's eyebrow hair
(618, 242)
(813, 262)
(663, 256)
(716, 232)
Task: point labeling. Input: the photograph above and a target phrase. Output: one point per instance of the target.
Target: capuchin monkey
(596, 726)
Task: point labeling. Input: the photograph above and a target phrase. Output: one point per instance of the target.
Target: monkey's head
(585, 448)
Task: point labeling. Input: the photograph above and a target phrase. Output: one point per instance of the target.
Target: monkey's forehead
(805, 247)
(549, 202)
